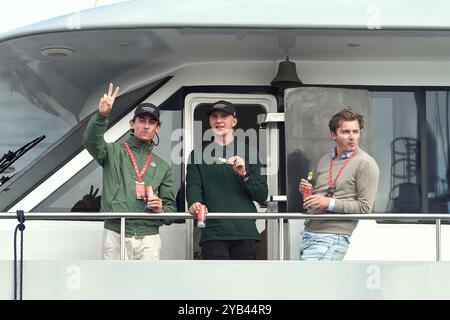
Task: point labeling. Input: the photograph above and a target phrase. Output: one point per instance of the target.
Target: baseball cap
(149, 108)
(224, 106)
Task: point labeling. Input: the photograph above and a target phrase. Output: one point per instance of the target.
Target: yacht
(287, 66)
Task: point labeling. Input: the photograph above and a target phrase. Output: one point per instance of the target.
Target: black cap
(149, 108)
(223, 106)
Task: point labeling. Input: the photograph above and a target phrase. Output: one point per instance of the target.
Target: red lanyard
(331, 183)
(133, 160)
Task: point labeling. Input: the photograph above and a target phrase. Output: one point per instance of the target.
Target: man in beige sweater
(346, 182)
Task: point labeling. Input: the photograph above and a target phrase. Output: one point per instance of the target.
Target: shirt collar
(136, 143)
(345, 155)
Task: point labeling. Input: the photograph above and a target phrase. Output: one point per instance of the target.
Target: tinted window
(396, 150)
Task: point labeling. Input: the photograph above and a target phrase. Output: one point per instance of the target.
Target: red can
(308, 191)
(201, 216)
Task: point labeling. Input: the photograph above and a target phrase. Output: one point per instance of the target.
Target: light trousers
(324, 247)
(136, 248)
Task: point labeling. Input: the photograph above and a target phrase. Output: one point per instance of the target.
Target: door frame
(268, 103)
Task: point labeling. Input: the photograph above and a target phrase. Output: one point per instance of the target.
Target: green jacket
(221, 189)
(119, 177)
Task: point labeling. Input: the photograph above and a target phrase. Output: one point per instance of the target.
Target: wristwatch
(245, 176)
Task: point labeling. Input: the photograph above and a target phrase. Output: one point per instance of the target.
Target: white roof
(319, 14)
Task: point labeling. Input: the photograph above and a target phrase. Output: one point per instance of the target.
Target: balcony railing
(80, 216)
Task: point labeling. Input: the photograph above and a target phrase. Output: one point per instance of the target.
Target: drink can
(306, 193)
(201, 217)
(148, 195)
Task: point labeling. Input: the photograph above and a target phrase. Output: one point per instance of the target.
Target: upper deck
(184, 56)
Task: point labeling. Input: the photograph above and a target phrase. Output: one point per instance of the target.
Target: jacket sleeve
(166, 195)
(93, 137)
(194, 187)
(366, 189)
(256, 184)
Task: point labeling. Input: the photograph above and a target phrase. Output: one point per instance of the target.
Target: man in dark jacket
(129, 169)
(225, 176)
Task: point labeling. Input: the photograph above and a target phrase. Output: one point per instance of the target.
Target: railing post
(438, 239)
(189, 223)
(280, 239)
(122, 239)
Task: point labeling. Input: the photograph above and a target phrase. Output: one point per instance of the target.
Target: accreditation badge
(140, 190)
(330, 192)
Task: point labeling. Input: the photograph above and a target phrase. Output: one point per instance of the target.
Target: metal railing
(80, 216)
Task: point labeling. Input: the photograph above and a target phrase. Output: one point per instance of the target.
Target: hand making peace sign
(106, 102)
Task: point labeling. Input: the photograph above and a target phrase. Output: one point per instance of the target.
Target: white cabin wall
(400, 242)
(381, 73)
(76, 240)
(314, 72)
(373, 241)
(204, 74)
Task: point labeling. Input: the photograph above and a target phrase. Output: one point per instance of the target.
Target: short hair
(346, 114)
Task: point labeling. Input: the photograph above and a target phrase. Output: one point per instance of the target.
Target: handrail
(221, 215)
(438, 217)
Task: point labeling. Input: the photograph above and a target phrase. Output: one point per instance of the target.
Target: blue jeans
(324, 246)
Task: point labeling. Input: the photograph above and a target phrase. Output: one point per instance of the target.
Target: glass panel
(396, 150)
(24, 119)
(438, 150)
(70, 195)
(308, 111)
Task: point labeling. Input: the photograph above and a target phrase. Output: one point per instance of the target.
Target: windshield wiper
(9, 158)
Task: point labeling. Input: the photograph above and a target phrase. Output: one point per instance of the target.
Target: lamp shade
(286, 76)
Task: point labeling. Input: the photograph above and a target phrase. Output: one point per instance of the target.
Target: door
(248, 108)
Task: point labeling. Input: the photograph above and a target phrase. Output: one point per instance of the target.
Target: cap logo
(220, 106)
(148, 109)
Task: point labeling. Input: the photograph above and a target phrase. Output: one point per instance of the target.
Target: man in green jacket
(129, 169)
(225, 176)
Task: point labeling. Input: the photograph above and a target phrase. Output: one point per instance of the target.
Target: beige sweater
(355, 192)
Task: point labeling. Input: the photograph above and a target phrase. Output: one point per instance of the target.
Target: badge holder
(140, 190)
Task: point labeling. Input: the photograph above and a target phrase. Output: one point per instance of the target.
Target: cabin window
(397, 128)
(396, 150)
(407, 132)
(438, 151)
(25, 117)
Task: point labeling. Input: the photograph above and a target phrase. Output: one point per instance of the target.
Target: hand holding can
(149, 195)
(307, 191)
(201, 216)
